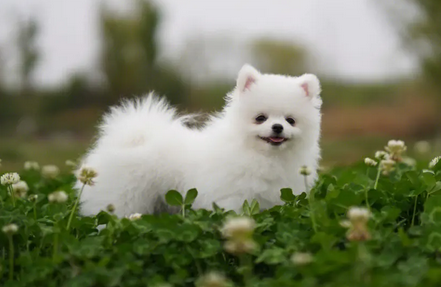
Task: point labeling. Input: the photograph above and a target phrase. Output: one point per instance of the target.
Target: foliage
(280, 57)
(420, 26)
(403, 250)
(129, 55)
(28, 52)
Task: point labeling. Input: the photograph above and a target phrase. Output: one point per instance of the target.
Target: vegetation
(423, 31)
(372, 224)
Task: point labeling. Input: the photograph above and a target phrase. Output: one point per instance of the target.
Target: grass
(336, 151)
(391, 239)
(14, 152)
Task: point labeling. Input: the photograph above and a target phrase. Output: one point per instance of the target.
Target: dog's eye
(291, 121)
(260, 119)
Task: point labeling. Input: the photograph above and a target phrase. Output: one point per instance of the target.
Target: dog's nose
(277, 128)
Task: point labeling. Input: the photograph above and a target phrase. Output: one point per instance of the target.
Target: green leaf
(255, 207)
(272, 256)
(209, 248)
(173, 198)
(187, 233)
(190, 196)
(286, 195)
(390, 213)
(217, 209)
(246, 207)
(429, 179)
(165, 235)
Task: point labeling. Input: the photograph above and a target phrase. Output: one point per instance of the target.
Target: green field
(391, 239)
(340, 151)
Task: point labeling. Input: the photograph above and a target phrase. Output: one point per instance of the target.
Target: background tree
(28, 59)
(28, 53)
(419, 23)
(281, 57)
(129, 57)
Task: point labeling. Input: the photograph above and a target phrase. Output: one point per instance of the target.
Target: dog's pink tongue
(277, 140)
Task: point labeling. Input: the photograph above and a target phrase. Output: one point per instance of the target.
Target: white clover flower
(212, 279)
(241, 246)
(357, 224)
(370, 162)
(238, 227)
(395, 149)
(304, 170)
(50, 171)
(387, 166)
(358, 214)
(135, 216)
(71, 163)
(434, 161)
(422, 147)
(239, 232)
(33, 197)
(86, 175)
(10, 229)
(20, 188)
(9, 178)
(110, 208)
(58, 197)
(381, 155)
(301, 258)
(395, 146)
(31, 165)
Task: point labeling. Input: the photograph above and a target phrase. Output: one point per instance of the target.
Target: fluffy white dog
(269, 128)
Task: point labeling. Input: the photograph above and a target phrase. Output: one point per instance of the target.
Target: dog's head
(276, 111)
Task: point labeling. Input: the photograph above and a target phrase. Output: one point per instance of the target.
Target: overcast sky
(352, 39)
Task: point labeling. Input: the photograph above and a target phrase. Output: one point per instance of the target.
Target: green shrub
(305, 242)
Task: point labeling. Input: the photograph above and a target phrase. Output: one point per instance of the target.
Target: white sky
(352, 39)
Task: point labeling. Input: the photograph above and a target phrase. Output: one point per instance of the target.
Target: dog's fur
(145, 148)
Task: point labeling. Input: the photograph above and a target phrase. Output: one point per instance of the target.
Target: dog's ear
(248, 75)
(310, 84)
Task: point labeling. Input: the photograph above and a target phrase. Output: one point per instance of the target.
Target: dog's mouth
(274, 140)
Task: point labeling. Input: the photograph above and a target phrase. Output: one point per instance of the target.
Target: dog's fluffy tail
(133, 122)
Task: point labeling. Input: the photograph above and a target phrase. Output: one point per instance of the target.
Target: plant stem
(414, 211)
(246, 268)
(368, 206)
(11, 258)
(378, 176)
(183, 210)
(311, 211)
(35, 211)
(74, 207)
(361, 267)
(11, 191)
(55, 251)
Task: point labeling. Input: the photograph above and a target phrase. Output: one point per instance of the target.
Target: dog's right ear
(248, 75)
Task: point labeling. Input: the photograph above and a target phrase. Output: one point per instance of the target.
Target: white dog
(269, 128)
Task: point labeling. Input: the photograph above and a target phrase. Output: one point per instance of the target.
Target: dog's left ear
(310, 84)
(248, 75)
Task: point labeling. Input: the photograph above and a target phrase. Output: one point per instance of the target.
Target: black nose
(277, 128)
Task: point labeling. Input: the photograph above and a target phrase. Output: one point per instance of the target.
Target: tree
(279, 57)
(28, 57)
(129, 56)
(427, 30)
(419, 23)
(28, 54)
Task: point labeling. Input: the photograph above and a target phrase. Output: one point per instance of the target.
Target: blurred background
(63, 63)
